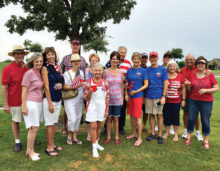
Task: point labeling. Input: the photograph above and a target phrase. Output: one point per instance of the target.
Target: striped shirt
(114, 85)
(66, 63)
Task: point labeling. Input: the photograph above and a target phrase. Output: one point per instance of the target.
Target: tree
(181, 64)
(99, 44)
(32, 47)
(81, 19)
(177, 53)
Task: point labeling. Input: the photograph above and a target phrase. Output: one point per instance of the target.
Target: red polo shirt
(12, 76)
(187, 73)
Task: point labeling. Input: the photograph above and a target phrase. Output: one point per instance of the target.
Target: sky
(154, 25)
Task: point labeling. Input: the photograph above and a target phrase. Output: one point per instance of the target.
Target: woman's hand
(127, 98)
(187, 82)
(132, 93)
(183, 103)
(24, 110)
(59, 86)
(162, 100)
(51, 107)
(106, 114)
(202, 91)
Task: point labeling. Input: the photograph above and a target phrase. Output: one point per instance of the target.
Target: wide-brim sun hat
(75, 57)
(17, 48)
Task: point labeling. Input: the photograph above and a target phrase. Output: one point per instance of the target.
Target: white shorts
(74, 113)
(95, 112)
(16, 113)
(35, 115)
(51, 118)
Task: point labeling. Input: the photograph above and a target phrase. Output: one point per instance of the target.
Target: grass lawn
(150, 155)
(216, 72)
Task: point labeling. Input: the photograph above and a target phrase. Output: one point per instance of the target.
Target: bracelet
(183, 99)
(163, 96)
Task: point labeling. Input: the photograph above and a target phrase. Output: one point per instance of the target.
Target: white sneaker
(171, 130)
(184, 134)
(156, 128)
(198, 136)
(99, 147)
(95, 153)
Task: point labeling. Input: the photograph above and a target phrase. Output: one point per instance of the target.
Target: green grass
(216, 72)
(150, 155)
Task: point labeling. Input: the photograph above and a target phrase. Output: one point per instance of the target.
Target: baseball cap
(153, 54)
(75, 42)
(144, 55)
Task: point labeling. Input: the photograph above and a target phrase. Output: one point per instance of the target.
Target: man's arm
(165, 86)
(5, 98)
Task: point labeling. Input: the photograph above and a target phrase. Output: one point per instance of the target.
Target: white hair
(96, 65)
(122, 47)
(173, 62)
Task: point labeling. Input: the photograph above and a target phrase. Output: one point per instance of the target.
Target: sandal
(131, 137)
(165, 136)
(188, 142)
(206, 145)
(77, 142)
(64, 132)
(58, 148)
(175, 139)
(50, 153)
(117, 142)
(69, 141)
(137, 143)
(107, 141)
(88, 139)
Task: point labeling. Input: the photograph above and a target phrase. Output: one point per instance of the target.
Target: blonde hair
(94, 55)
(136, 54)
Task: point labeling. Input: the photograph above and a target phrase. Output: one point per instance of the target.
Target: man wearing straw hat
(12, 75)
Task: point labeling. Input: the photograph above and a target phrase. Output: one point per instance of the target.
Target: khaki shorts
(152, 108)
(16, 113)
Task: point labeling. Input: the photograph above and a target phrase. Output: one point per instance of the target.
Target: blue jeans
(205, 109)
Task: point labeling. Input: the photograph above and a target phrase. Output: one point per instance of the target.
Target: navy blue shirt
(56, 95)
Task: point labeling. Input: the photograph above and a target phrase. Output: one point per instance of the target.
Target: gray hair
(122, 47)
(172, 62)
(30, 63)
(96, 66)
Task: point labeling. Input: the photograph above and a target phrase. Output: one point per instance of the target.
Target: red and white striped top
(114, 85)
(125, 66)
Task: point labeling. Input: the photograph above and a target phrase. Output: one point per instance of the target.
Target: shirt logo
(158, 74)
(138, 74)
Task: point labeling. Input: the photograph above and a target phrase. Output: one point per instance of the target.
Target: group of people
(35, 91)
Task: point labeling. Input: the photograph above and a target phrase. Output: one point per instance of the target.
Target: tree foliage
(32, 47)
(181, 64)
(177, 53)
(98, 45)
(68, 19)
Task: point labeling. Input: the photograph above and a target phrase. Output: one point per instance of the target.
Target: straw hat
(18, 48)
(75, 57)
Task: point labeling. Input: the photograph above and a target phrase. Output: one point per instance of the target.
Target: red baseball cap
(153, 54)
(75, 42)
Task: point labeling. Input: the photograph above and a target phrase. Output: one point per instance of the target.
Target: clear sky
(154, 25)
